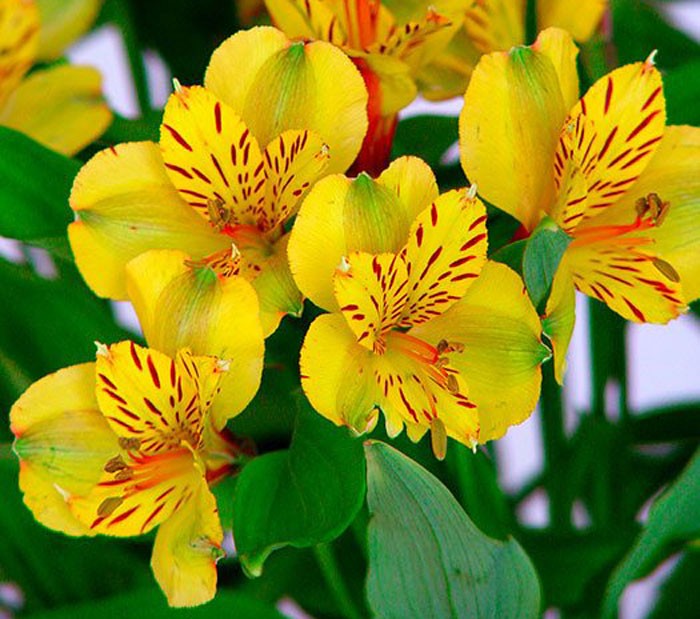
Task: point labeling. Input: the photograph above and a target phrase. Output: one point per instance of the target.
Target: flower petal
(276, 85)
(579, 17)
(307, 19)
(183, 306)
(522, 89)
(19, 33)
(62, 107)
(336, 376)
(445, 252)
(626, 278)
(210, 156)
(609, 138)
(560, 317)
(62, 22)
(496, 25)
(340, 216)
(500, 332)
(293, 161)
(186, 549)
(558, 46)
(127, 205)
(51, 421)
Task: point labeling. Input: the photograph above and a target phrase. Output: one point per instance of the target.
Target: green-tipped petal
(184, 306)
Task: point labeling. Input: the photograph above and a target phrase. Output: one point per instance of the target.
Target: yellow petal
(336, 376)
(500, 332)
(62, 107)
(62, 22)
(560, 317)
(558, 46)
(607, 141)
(579, 17)
(186, 549)
(180, 306)
(371, 292)
(276, 85)
(625, 276)
(445, 252)
(340, 216)
(127, 205)
(51, 421)
(210, 157)
(389, 81)
(496, 25)
(19, 33)
(307, 19)
(293, 161)
(522, 89)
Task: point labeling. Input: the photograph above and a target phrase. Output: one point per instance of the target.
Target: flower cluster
(242, 212)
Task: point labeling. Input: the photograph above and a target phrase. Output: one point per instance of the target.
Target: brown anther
(115, 464)
(653, 206)
(108, 506)
(124, 474)
(438, 438)
(130, 444)
(447, 347)
(666, 270)
(219, 215)
(452, 384)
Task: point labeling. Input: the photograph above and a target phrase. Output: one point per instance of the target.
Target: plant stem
(120, 13)
(334, 579)
(554, 439)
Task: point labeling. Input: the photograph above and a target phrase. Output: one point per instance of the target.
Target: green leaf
(427, 137)
(679, 422)
(512, 255)
(152, 604)
(302, 496)
(36, 184)
(543, 253)
(673, 520)
(680, 595)
(682, 91)
(427, 559)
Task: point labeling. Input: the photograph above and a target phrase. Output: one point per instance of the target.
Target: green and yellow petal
(560, 318)
(500, 363)
(180, 305)
(186, 549)
(522, 89)
(62, 107)
(126, 205)
(276, 85)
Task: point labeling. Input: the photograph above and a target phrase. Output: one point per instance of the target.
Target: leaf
(543, 253)
(682, 91)
(427, 559)
(151, 603)
(679, 596)
(36, 183)
(427, 137)
(302, 496)
(512, 255)
(673, 520)
(679, 422)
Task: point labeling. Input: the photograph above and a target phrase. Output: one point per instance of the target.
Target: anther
(666, 270)
(219, 215)
(129, 444)
(108, 506)
(115, 464)
(452, 384)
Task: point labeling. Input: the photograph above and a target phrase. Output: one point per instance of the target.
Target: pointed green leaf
(673, 520)
(302, 496)
(427, 559)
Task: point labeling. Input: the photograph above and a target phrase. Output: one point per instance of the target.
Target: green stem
(554, 439)
(334, 579)
(119, 12)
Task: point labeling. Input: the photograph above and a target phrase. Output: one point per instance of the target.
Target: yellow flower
(234, 160)
(62, 106)
(420, 327)
(388, 46)
(126, 444)
(604, 168)
(497, 25)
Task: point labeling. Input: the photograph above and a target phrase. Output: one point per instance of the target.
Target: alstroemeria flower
(62, 106)
(234, 160)
(388, 41)
(420, 327)
(604, 168)
(497, 25)
(124, 445)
